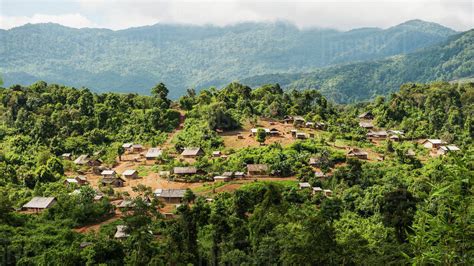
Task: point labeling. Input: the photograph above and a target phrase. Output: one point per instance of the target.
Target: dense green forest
(450, 60)
(398, 210)
(185, 56)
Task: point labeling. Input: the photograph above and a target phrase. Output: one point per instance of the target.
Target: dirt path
(214, 188)
(96, 227)
(168, 142)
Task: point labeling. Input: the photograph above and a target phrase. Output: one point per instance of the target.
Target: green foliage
(261, 136)
(398, 210)
(227, 108)
(437, 110)
(197, 134)
(80, 209)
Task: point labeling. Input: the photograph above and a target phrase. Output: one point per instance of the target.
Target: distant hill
(184, 56)
(450, 60)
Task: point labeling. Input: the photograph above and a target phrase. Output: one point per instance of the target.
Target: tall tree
(261, 136)
(398, 209)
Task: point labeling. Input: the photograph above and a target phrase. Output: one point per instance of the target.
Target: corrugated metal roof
(83, 159)
(129, 172)
(108, 172)
(127, 145)
(304, 185)
(154, 153)
(170, 193)
(39, 202)
(185, 170)
(191, 151)
(357, 152)
(257, 167)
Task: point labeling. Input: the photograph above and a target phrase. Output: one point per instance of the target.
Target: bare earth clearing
(231, 140)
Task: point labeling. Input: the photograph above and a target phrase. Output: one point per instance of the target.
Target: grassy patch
(211, 186)
(143, 170)
(284, 183)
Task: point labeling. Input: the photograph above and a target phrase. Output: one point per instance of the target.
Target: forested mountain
(451, 60)
(183, 56)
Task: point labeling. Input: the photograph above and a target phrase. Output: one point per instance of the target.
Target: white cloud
(71, 20)
(340, 14)
(345, 14)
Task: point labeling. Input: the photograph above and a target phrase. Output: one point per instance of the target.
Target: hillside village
(123, 176)
(146, 164)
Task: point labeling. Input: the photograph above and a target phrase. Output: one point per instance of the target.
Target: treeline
(41, 122)
(47, 113)
(226, 108)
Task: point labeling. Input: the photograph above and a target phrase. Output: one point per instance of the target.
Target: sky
(342, 15)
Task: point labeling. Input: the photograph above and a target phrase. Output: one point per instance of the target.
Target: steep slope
(453, 59)
(186, 56)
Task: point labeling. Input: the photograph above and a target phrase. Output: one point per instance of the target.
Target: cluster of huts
(366, 123)
(132, 147)
(150, 155)
(393, 135)
(439, 147)
(168, 196)
(299, 121)
(228, 176)
(78, 180)
(273, 132)
(315, 190)
(110, 177)
(253, 170)
(194, 152)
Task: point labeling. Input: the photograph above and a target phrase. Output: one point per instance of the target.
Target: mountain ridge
(184, 56)
(450, 60)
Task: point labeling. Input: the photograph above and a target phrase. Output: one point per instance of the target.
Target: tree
(261, 136)
(305, 173)
(5, 207)
(331, 208)
(389, 147)
(120, 151)
(398, 209)
(55, 165)
(189, 196)
(44, 175)
(160, 91)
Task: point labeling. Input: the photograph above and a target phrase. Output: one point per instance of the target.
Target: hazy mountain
(186, 56)
(450, 60)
